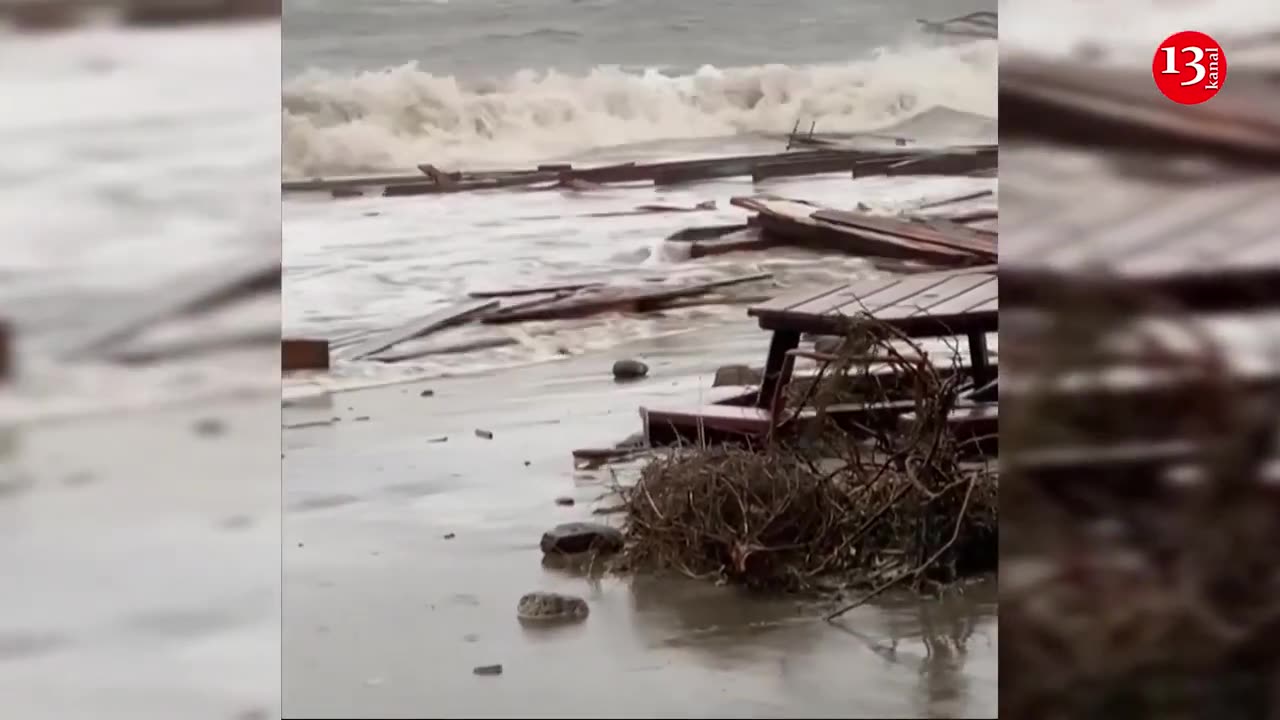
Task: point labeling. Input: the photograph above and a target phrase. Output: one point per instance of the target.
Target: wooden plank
(709, 422)
(992, 305)
(1121, 108)
(820, 235)
(304, 354)
(956, 199)
(1182, 213)
(962, 239)
(197, 292)
(833, 296)
(711, 232)
(491, 183)
(796, 299)
(952, 297)
(786, 167)
(518, 292)
(623, 299)
(1132, 460)
(451, 315)
(900, 292)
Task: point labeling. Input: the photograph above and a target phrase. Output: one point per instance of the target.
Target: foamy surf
(398, 117)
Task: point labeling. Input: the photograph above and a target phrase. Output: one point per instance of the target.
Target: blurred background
(139, 359)
(1140, 575)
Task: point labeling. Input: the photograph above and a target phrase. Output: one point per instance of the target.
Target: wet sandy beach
(140, 582)
(386, 617)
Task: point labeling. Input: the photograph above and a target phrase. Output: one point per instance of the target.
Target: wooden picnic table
(942, 304)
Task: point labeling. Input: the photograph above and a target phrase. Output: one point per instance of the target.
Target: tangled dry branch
(823, 507)
(1139, 594)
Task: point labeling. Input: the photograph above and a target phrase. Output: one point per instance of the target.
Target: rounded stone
(551, 607)
(629, 370)
(579, 537)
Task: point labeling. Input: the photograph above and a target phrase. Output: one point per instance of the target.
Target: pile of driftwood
(961, 160)
(505, 307)
(954, 240)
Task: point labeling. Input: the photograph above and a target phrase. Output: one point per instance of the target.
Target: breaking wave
(399, 117)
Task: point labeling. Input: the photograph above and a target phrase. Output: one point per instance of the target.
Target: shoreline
(385, 615)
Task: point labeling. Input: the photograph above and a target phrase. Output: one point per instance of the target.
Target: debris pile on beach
(1143, 575)
(940, 233)
(832, 154)
(826, 509)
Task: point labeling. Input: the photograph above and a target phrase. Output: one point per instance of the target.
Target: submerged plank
(451, 315)
(194, 293)
(617, 299)
(710, 232)
(517, 292)
(956, 199)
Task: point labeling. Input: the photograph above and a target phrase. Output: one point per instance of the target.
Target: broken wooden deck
(931, 240)
(1163, 258)
(943, 304)
(861, 162)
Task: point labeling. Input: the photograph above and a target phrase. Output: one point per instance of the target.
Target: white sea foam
(401, 116)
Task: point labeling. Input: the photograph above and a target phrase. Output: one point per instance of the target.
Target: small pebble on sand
(209, 427)
(484, 434)
(565, 501)
(487, 670)
(362, 418)
(426, 393)
(450, 536)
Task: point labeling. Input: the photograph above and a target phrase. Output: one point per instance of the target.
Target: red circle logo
(1189, 67)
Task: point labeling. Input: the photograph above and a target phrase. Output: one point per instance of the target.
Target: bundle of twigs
(825, 508)
(1140, 596)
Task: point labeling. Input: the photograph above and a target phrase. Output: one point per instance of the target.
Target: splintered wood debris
(826, 157)
(548, 302)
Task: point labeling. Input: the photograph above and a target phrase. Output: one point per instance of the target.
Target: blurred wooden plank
(304, 354)
(1122, 109)
(196, 292)
(451, 315)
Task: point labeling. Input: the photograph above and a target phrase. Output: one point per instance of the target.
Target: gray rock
(487, 670)
(565, 501)
(731, 375)
(546, 606)
(580, 537)
(629, 370)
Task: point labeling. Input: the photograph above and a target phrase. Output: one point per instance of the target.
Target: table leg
(777, 371)
(979, 358)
